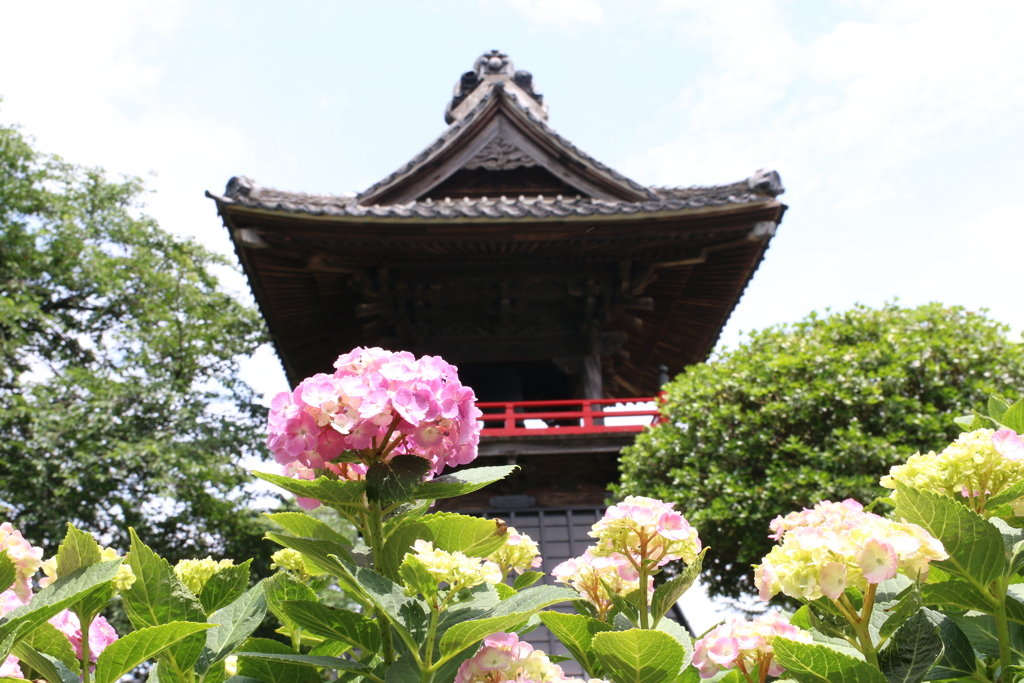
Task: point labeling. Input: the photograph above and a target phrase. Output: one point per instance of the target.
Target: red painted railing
(583, 416)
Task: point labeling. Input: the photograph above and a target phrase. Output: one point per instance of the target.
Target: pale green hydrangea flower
(195, 573)
(520, 553)
(455, 569)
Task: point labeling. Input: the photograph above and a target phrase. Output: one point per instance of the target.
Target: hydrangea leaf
(577, 633)
(416, 576)
(958, 659)
(59, 595)
(234, 623)
(911, 651)
(473, 536)
(282, 587)
(320, 556)
(672, 628)
(49, 640)
(404, 670)
(637, 656)
(667, 594)
(996, 407)
(319, 661)
(463, 635)
(337, 624)
(813, 663)
(78, 549)
(463, 482)
(527, 579)
(330, 492)
(133, 649)
(399, 543)
(224, 587)
(253, 663)
(1014, 417)
(534, 599)
(52, 669)
(8, 572)
(396, 480)
(304, 526)
(895, 606)
(956, 594)
(975, 547)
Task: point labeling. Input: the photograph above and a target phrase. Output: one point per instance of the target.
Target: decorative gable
(500, 155)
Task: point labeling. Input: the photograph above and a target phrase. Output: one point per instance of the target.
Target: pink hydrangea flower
(646, 529)
(26, 557)
(1009, 444)
(590, 574)
(503, 657)
(378, 404)
(101, 634)
(744, 645)
(11, 668)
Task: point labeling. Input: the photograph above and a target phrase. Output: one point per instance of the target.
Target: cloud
(563, 15)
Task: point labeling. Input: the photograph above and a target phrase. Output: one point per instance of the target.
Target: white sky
(897, 125)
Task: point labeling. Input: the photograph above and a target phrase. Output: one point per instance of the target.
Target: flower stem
(375, 539)
(1003, 630)
(85, 624)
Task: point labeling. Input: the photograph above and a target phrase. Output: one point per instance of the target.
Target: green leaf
(403, 514)
(911, 651)
(462, 635)
(159, 597)
(396, 480)
(330, 492)
(667, 594)
(291, 657)
(225, 587)
(59, 595)
(473, 536)
(975, 547)
(813, 663)
(463, 482)
(325, 557)
(50, 668)
(302, 525)
(958, 658)
(253, 664)
(972, 422)
(637, 656)
(337, 624)
(1006, 496)
(504, 590)
(577, 634)
(672, 628)
(399, 543)
(1014, 417)
(78, 549)
(129, 651)
(234, 623)
(527, 579)
(282, 587)
(625, 607)
(956, 594)
(534, 599)
(997, 407)
(415, 575)
(8, 572)
(49, 640)
(896, 600)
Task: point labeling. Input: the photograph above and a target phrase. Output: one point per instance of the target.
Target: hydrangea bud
(590, 575)
(455, 569)
(646, 529)
(520, 553)
(976, 466)
(417, 406)
(832, 546)
(744, 645)
(503, 657)
(195, 573)
(27, 559)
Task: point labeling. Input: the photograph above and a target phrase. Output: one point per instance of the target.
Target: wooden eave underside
(703, 260)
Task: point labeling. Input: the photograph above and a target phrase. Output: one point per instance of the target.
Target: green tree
(811, 411)
(120, 403)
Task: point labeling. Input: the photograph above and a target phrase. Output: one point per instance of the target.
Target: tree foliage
(119, 398)
(815, 410)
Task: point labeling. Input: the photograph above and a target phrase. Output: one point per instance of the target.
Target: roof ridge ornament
(493, 70)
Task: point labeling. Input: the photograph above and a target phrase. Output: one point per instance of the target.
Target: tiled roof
(761, 187)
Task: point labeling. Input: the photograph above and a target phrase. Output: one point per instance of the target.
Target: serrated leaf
(282, 587)
(50, 668)
(234, 624)
(49, 640)
(667, 625)
(996, 407)
(911, 651)
(396, 480)
(527, 579)
(129, 651)
(59, 595)
(252, 664)
(320, 556)
(534, 599)
(667, 594)
(78, 549)
(956, 594)
(813, 663)
(958, 658)
(399, 543)
(415, 575)
(1014, 417)
(577, 634)
(975, 547)
(623, 607)
(637, 656)
(330, 492)
(403, 514)
(8, 572)
(306, 660)
(224, 587)
(472, 536)
(1009, 495)
(337, 624)
(463, 635)
(463, 482)
(302, 525)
